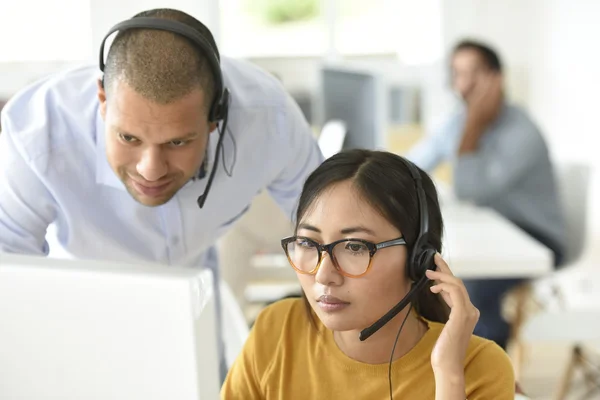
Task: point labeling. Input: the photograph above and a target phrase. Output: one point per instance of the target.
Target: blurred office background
(393, 55)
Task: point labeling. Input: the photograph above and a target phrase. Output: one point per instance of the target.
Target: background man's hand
(485, 102)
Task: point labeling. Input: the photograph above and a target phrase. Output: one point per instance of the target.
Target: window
(296, 28)
(42, 30)
(411, 29)
(420, 37)
(272, 28)
(366, 26)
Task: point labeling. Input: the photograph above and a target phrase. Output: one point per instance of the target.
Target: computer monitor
(355, 96)
(73, 330)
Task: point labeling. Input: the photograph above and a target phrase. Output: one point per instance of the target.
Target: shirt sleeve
(489, 374)
(487, 173)
(430, 151)
(426, 153)
(300, 156)
(26, 206)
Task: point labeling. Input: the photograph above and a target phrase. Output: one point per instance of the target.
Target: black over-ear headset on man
(420, 258)
(220, 104)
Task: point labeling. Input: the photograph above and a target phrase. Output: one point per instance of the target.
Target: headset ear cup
(424, 260)
(428, 260)
(219, 108)
(214, 113)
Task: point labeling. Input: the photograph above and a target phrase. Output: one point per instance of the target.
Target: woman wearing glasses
(362, 246)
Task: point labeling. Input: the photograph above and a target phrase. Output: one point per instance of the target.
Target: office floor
(545, 363)
(544, 370)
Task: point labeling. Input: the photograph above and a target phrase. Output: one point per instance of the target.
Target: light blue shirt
(54, 173)
(59, 196)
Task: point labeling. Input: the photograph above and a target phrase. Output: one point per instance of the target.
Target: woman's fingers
(445, 295)
(457, 295)
(457, 299)
(441, 264)
(442, 276)
(449, 286)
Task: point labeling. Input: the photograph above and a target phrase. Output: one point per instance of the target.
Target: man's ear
(102, 98)
(212, 126)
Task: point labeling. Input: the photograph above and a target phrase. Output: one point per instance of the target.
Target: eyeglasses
(351, 257)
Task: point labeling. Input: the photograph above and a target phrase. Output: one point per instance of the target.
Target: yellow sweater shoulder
(248, 375)
(488, 371)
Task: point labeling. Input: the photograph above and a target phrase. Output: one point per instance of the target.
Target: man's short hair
(488, 55)
(161, 66)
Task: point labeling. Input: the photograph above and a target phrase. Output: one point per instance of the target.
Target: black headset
(422, 254)
(219, 108)
(420, 259)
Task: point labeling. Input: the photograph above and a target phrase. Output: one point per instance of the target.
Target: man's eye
(178, 143)
(127, 138)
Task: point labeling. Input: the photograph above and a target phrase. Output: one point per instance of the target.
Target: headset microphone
(380, 323)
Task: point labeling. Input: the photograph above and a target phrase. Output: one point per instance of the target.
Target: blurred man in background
(499, 160)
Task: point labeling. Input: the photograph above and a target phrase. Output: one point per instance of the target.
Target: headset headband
(423, 212)
(212, 55)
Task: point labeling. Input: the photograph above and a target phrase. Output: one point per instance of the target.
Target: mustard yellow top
(286, 358)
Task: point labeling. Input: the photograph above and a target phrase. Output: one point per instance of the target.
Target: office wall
(38, 37)
(105, 13)
(566, 85)
(16, 75)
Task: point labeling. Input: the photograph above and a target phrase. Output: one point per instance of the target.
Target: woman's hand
(447, 358)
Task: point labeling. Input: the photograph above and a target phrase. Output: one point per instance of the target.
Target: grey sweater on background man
(510, 172)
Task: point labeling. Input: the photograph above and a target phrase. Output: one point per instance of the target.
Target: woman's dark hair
(384, 180)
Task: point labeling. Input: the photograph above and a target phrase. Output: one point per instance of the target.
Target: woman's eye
(356, 247)
(305, 243)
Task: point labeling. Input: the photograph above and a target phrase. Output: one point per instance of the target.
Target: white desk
(478, 243)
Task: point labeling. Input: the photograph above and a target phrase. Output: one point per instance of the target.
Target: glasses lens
(352, 257)
(303, 254)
